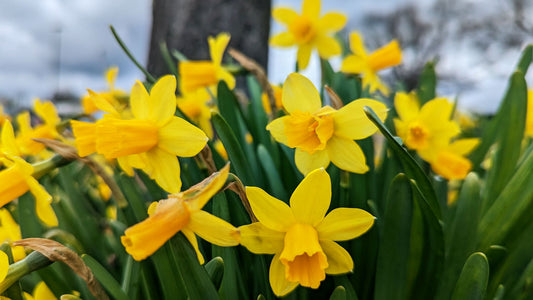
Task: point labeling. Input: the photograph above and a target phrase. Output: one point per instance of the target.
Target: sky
(64, 45)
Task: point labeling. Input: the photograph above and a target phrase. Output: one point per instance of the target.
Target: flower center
(417, 136)
(307, 132)
(197, 74)
(116, 138)
(303, 257)
(302, 29)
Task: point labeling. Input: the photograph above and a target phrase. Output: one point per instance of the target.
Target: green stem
(34, 261)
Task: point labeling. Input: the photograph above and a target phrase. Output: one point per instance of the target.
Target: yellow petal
(354, 65)
(139, 101)
(311, 8)
(406, 105)
(42, 292)
(259, 239)
(346, 155)
(102, 103)
(311, 198)
(198, 195)
(213, 229)
(85, 134)
(4, 265)
(351, 121)
(280, 286)
(273, 213)
(284, 15)
(332, 21)
(450, 165)
(303, 55)
(284, 39)
(227, 77)
(436, 109)
(463, 146)
(217, 46)
(327, 46)
(162, 103)
(189, 234)
(277, 129)
(386, 56)
(357, 44)
(111, 76)
(164, 168)
(339, 260)
(125, 165)
(42, 203)
(181, 138)
(46, 111)
(343, 224)
(9, 145)
(306, 162)
(299, 93)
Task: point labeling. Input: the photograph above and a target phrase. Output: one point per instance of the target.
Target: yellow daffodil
(425, 129)
(4, 265)
(182, 212)
(367, 65)
(206, 74)
(308, 31)
(302, 236)
(221, 149)
(47, 130)
(112, 95)
(450, 161)
(194, 106)
(323, 134)
(529, 118)
(40, 292)
(150, 141)
(17, 179)
(277, 100)
(10, 232)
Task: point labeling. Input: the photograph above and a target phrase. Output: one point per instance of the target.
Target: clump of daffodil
(112, 95)
(529, 118)
(149, 141)
(17, 179)
(367, 65)
(182, 212)
(10, 232)
(203, 74)
(195, 106)
(301, 236)
(308, 31)
(429, 130)
(323, 134)
(47, 112)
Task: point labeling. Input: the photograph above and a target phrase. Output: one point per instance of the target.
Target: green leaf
(463, 235)
(525, 59)
(339, 293)
(347, 285)
(500, 292)
(411, 167)
(215, 269)
(393, 255)
(427, 83)
(107, 280)
(274, 179)
(472, 283)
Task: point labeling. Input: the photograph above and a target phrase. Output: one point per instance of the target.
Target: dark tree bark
(185, 25)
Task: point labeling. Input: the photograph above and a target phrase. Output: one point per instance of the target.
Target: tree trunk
(185, 25)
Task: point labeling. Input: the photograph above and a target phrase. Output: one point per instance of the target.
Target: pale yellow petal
(139, 98)
(357, 44)
(284, 15)
(164, 168)
(43, 208)
(351, 121)
(306, 162)
(353, 64)
(332, 21)
(311, 8)
(346, 155)
(162, 103)
(4, 265)
(259, 239)
(277, 130)
(311, 199)
(464, 146)
(124, 164)
(327, 46)
(213, 229)
(101, 103)
(279, 284)
(191, 237)
(181, 138)
(406, 106)
(299, 93)
(339, 260)
(436, 109)
(273, 213)
(217, 46)
(343, 224)
(303, 55)
(284, 39)
(198, 195)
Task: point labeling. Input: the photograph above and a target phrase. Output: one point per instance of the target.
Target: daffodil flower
(10, 232)
(450, 162)
(150, 141)
(308, 31)
(182, 212)
(112, 95)
(367, 65)
(301, 236)
(323, 134)
(203, 74)
(17, 179)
